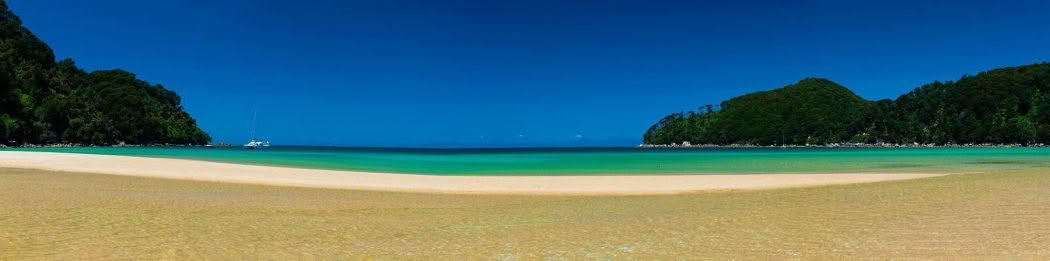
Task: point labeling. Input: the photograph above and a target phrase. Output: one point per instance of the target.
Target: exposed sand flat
(281, 176)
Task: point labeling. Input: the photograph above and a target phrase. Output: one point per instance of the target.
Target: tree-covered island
(1002, 106)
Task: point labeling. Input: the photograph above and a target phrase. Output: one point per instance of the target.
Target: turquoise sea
(608, 161)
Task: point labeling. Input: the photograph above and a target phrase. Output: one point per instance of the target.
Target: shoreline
(838, 145)
(522, 185)
(641, 146)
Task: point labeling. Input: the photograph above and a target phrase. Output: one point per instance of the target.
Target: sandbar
(186, 169)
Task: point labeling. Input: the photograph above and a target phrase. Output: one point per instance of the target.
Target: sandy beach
(281, 176)
(48, 215)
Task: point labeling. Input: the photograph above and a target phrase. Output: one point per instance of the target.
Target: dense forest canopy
(1002, 106)
(44, 102)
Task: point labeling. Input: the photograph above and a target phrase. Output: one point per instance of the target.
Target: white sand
(237, 173)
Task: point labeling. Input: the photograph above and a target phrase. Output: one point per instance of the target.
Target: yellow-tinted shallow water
(54, 215)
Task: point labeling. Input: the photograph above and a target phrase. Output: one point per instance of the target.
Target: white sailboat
(255, 143)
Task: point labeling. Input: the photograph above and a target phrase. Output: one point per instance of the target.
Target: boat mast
(255, 117)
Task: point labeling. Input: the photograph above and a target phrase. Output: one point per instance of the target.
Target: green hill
(1002, 106)
(43, 101)
(812, 110)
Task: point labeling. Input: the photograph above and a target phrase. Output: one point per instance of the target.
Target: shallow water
(608, 161)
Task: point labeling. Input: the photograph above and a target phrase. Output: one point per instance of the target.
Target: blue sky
(518, 73)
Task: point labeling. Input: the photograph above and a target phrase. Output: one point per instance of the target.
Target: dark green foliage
(42, 101)
(810, 111)
(1003, 106)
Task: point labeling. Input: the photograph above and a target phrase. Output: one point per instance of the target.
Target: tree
(1005, 105)
(44, 101)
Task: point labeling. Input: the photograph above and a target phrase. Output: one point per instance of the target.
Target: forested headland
(47, 102)
(1002, 106)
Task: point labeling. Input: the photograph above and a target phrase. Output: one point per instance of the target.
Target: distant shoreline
(686, 146)
(844, 145)
(355, 180)
(70, 145)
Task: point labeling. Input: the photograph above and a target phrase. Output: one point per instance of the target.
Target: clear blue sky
(509, 73)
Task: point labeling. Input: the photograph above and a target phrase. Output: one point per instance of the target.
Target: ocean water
(606, 161)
